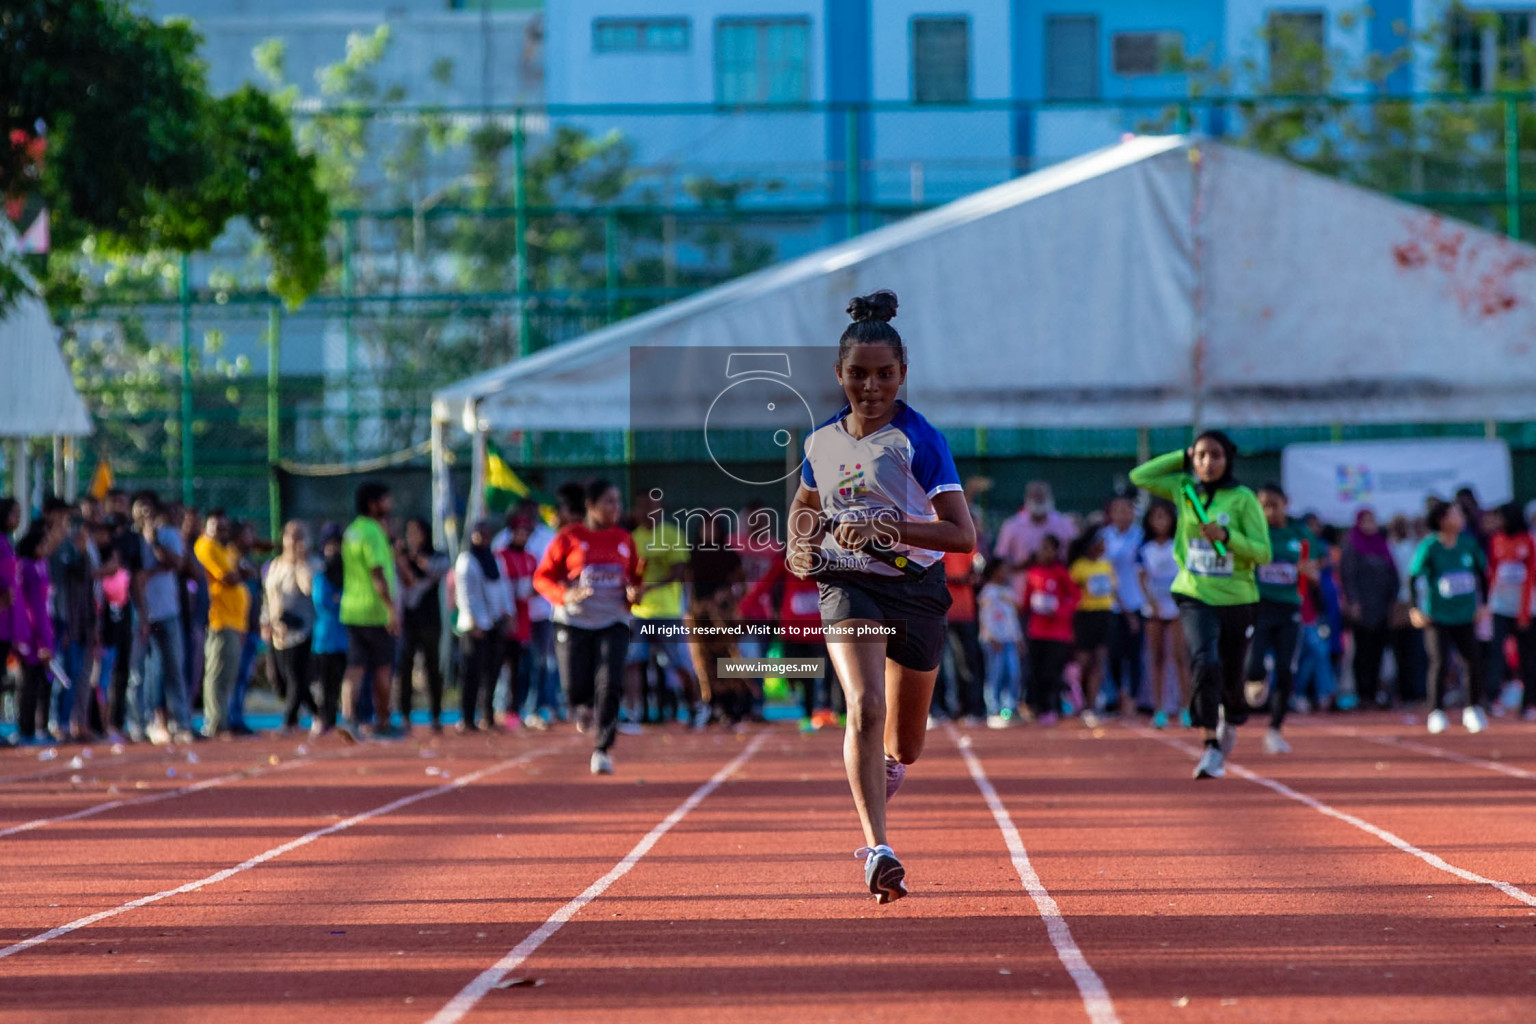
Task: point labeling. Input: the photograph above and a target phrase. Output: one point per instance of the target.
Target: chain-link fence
(477, 237)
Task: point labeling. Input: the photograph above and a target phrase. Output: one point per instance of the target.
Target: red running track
(1357, 885)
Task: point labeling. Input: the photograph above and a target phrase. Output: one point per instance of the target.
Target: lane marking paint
(154, 798)
(1449, 755)
(1101, 1009)
(1391, 839)
(274, 853)
(489, 978)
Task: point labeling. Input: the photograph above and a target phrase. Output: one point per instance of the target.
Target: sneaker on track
(1437, 723)
(1160, 720)
(1213, 765)
(895, 772)
(1274, 743)
(883, 873)
(996, 722)
(1185, 720)
(602, 764)
(1090, 720)
(1473, 719)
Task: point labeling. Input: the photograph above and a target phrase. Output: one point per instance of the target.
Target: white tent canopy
(1164, 281)
(37, 395)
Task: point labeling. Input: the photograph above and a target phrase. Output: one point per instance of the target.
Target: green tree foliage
(141, 161)
(1316, 106)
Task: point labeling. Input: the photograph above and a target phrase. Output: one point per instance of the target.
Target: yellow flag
(101, 480)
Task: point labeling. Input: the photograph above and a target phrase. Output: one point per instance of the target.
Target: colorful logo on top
(850, 481)
(1355, 482)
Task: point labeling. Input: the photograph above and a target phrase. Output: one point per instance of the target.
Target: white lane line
(489, 978)
(1391, 839)
(1448, 755)
(1101, 1009)
(272, 854)
(154, 798)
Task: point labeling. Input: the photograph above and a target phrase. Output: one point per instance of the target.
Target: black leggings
(291, 666)
(1275, 630)
(1218, 638)
(1370, 644)
(477, 688)
(1439, 640)
(424, 640)
(1047, 660)
(32, 701)
(592, 672)
(332, 670)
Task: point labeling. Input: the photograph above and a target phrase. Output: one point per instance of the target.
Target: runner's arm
(1250, 537)
(952, 531)
(1163, 475)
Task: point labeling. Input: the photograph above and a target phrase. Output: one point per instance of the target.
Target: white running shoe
(1226, 735)
(883, 873)
(602, 764)
(1212, 764)
(1473, 719)
(1437, 722)
(1274, 743)
(895, 773)
(1090, 720)
(996, 722)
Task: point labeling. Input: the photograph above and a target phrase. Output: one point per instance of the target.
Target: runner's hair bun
(880, 305)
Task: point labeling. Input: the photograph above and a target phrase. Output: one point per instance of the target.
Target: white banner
(1392, 477)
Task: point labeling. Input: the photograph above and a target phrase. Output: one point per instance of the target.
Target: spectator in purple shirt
(10, 518)
(34, 640)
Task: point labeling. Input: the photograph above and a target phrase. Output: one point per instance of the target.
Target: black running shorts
(917, 609)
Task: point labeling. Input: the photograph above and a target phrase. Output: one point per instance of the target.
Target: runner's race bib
(1100, 586)
(602, 577)
(806, 602)
(1043, 603)
(1201, 559)
(1278, 574)
(1457, 584)
(1510, 574)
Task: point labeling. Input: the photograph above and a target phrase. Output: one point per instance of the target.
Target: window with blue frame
(1486, 45)
(640, 35)
(1298, 56)
(1072, 57)
(941, 60)
(1146, 53)
(762, 60)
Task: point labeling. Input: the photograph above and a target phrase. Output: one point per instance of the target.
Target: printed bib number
(1278, 574)
(1510, 574)
(1201, 559)
(1100, 586)
(602, 577)
(1042, 603)
(807, 602)
(1457, 584)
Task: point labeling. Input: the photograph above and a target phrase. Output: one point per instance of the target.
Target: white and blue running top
(893, 473)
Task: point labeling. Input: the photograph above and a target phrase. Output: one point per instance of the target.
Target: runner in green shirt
(1449, 578)
(1217, 545)
(1279, 613)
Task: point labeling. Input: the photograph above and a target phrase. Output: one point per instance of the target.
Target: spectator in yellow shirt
(228, 614)
(1095, 578)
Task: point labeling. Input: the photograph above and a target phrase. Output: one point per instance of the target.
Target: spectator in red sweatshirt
(1511, 593)
(1050, 600)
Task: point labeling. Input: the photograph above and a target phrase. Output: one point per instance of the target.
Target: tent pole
(21, 477)
(475, 506)
(58, 465)
(71, 470)
(274, 422)
(444, 535)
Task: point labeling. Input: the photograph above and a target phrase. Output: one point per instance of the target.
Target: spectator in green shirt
(368, 605)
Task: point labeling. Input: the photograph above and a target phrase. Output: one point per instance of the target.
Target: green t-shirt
(364, 548)
(1280, 580)
(1445, 579)
(661, 549)
(1204, 574)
